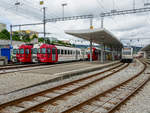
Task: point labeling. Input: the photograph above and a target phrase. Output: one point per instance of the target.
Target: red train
(47, 53)
(24, 54)
(95, 53)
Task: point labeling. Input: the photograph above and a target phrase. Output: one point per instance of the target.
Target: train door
(53, 54)
(48, 53)
(76, 54)
(27, 55)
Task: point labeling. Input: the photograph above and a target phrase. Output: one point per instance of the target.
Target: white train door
(53, 54)
(76, 52)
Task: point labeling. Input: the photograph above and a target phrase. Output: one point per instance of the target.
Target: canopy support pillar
(102, 55)
(91, 50)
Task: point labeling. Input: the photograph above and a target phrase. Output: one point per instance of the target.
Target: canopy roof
(146, 48)
(99, 36)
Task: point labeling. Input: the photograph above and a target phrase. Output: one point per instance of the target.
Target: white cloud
(127, 26)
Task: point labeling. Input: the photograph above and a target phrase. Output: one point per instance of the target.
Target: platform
(15, 81)
(146, 51)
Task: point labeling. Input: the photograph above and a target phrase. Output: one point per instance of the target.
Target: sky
(124, 26)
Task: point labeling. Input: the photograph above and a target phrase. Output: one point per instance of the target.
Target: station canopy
(146, 48)
(99, 36)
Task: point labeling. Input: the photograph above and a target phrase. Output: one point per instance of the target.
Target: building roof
(146, 48)
(99, 36)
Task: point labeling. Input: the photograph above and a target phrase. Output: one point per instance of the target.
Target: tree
(16, 36)
(6, 33)
(26, 38)
(41, 40)
(34, 36)
(3, 36)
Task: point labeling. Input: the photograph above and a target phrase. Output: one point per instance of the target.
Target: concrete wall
(146, 54)
(6, 42)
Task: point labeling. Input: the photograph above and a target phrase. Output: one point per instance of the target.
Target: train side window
(58, 51)
(48, 50)
(62, 52)
(65, 52)
(39, 50)
(53, 51)
(27, 51)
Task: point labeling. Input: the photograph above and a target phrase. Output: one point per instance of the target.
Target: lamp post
(63, 5)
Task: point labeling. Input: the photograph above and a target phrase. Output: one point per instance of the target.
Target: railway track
(109, 100)
(38, 100)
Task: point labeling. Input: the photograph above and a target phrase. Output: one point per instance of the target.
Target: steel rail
(80, 105)
(30, 97)
(130, 95)
(36, 107)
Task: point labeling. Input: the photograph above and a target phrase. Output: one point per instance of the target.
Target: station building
(99, 36)
(146, 51)
(2, 26)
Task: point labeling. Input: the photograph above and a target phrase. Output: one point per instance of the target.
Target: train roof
(64, 47)
(47, 45)
(25, 46)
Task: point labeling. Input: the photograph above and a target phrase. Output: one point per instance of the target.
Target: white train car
(127, 55)
(14, 53)
(35, 50)
(70, 54)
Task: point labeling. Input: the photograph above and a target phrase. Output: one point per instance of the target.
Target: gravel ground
(140, 103)
(91, 91)
(17, 80)
(8, 97)
(95, 89)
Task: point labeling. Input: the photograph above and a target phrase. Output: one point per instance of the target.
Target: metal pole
(102, 50)
(44, 22)
(102, 22)
(104, 58)
(91, 27)
(63, 9)
(11, 35)
(133, 4)
(91, 49)
(20, 31)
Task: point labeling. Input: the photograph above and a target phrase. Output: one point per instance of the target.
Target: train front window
(43, 50)
(15, 51)
(35, 51)
(126, 53)
(21, 51)
(48, 50)
(27, 51)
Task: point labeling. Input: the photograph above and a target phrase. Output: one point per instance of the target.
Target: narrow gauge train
(35, 50)
(52, 54)
(15, 53)
(48, 53)
(95, 53)
(127, 55)
(24, 54)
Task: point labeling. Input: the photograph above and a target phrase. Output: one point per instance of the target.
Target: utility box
(6, 52)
